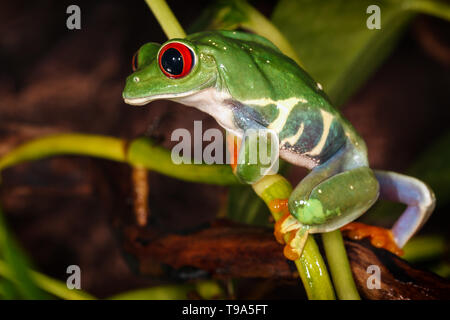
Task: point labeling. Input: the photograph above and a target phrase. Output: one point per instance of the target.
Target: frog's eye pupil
(172, 61)
(134, 62)
(176, 60)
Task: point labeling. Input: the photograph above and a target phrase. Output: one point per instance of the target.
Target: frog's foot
(288, 230)
(379, 237)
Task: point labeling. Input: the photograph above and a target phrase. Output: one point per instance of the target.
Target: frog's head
(171, 71)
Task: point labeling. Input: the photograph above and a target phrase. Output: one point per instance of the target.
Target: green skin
(245, 82)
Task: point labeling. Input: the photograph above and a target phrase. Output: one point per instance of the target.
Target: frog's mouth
(140, 101)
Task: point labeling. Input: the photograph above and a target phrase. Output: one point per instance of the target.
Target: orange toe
(278, 233)
(379, 237)
(279, 206)
(289, 252)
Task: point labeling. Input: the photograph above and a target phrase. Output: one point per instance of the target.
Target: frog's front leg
(255, 155)
(251, 172)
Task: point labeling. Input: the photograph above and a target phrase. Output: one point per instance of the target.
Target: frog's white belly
(216, 104)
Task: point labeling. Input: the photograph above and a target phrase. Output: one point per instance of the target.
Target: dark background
(56, 80)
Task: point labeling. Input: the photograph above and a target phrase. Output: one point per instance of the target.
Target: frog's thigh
(334, 201)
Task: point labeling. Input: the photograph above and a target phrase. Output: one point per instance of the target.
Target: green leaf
(16, 265)
(433, 167)
(334, 43)
(7, 290)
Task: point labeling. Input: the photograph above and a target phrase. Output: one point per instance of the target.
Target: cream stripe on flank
(327, 118)
(293, 139)
(284, 107)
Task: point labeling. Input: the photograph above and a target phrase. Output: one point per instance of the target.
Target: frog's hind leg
(398, 188)
(328, 203)
(415, 194)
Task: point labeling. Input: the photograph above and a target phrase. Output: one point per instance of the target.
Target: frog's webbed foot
(379, 237)
(297, 234)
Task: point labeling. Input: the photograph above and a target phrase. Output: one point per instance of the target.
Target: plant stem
(311, 267)
(166, 19)
(339, 266)
(141, 152)
(260, 25)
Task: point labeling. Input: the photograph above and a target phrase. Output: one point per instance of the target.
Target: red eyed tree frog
(245, 82)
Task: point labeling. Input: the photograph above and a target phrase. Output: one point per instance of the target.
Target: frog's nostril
(136, 79)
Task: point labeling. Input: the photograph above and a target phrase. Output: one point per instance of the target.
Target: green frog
(246, 83)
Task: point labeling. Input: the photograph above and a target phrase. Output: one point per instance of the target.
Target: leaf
(433, 167)
(16, 265)
(334, 43)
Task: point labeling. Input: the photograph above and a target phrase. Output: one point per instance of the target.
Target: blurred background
(65, 210)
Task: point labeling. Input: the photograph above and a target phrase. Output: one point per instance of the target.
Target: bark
(227, 250)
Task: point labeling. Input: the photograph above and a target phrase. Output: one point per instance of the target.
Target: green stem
(262, 26)
(145, 153)
(140, 152)
(69, 144)
(166, 19)
(339, 266)
(311, 267)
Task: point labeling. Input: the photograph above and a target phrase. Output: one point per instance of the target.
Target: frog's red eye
(176, 60)
(134, 62)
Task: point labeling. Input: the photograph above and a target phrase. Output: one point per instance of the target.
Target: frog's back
(271, 88)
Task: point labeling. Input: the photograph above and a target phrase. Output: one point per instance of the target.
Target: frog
(246, 83)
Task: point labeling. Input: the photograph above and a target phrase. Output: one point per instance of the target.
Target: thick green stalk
(256, 22)
(311, 267)
(339, 266)
(166, 19)
(141, 152)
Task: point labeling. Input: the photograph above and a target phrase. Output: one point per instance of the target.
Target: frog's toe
(277, 232)
(290, 226)
(295, 243)
(379, 237)
(280, 206)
